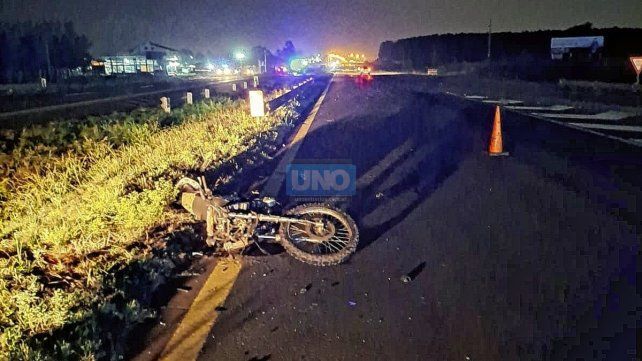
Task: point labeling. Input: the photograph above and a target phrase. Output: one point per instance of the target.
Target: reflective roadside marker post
(234, 87)
(256, 81)
(257, 105)
(164, 104)
(244, 85)
(188, 98)
(206, 93)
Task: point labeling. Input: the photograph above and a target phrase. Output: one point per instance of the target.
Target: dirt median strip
(102, 100)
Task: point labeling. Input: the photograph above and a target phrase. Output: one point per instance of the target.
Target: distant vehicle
(365, 70)
(281, 70)
(432, 72)
(364, 76)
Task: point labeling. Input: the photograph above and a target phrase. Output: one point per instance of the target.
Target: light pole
(240, 56)
(490, 34)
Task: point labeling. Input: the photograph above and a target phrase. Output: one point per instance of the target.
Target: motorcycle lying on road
(314, 233)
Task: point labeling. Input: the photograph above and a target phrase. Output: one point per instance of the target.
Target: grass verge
(79, 202)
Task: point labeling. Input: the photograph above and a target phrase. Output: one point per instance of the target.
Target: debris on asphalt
(352, 303)
(408, 277)
(197, 254)
(378, 195)
(188, 274)
(184, 289)
(162, 323)
(335, 283)
(305, 289)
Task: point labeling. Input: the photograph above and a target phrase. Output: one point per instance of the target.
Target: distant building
(154, 51)
(148, 57)
(167, 58)
(124, 64)
(584, 48)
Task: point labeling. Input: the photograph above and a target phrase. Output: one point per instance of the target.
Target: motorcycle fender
(195, 205)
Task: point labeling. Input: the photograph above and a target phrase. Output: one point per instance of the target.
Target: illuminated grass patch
(77, 198)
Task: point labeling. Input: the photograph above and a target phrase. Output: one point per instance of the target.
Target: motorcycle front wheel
(331, 244)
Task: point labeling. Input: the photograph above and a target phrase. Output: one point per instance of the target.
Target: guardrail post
(256, 81)
(244, 85)
(189, 99)
(206, 93)
(234, 87)
(165, 105)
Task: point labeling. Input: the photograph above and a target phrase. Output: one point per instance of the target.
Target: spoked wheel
(330, 240)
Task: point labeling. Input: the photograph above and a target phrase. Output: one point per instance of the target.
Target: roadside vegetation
(78, 201)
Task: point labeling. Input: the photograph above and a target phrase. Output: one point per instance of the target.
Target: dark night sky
(313, 26)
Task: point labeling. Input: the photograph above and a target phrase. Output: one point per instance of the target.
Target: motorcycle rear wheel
(331, 245)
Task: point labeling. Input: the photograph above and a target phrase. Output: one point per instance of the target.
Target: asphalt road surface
(531, 256)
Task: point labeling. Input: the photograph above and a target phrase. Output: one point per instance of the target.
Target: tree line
(47, 49)
(524, 54)
(53, 50)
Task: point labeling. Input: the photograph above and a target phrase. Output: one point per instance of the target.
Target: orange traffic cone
(496, 147)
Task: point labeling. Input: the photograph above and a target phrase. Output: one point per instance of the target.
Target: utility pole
(490, 34)
(265, 60)
(48, 59)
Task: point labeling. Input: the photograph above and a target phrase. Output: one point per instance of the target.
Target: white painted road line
(624, 128)
(477, 97)
(552, 108)
(588, 128)
(276, 179)
(188, 339)
(503, 101)
(610, 115)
